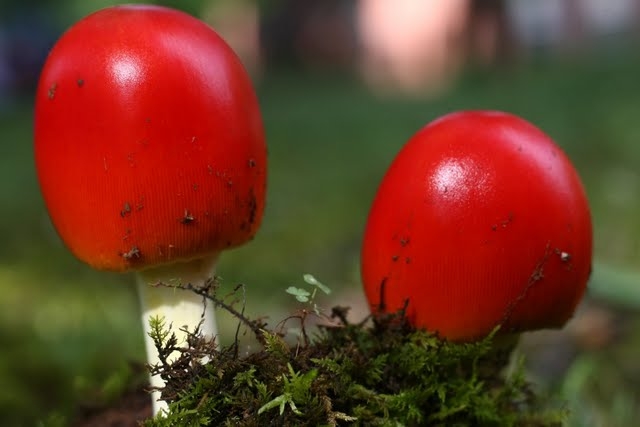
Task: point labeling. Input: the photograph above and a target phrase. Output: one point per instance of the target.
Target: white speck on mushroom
(134, 252)
(187, 218)
(52, 90)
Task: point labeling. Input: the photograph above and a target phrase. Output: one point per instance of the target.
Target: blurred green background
(66, 330)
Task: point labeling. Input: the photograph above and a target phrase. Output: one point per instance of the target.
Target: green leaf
(301, 295)
(314, 282)
(293, 407)
(279, 401)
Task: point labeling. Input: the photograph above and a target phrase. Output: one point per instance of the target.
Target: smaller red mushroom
(150, 153)
(480, 221)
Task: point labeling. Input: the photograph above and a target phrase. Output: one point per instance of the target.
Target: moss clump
(380, 372)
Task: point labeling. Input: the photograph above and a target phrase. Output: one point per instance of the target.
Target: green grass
(330, 141)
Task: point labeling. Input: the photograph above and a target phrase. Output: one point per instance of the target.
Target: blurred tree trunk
(490, 40)
(575, 25)
(238, 22)
(636, 18)
(317, 33)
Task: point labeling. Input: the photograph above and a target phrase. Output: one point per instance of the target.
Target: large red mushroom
(480, 221)
(150, 153)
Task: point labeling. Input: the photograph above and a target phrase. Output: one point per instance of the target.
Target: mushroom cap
(481, 220)
(149, 143)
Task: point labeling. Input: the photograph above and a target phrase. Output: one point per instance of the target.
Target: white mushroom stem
(180, 308)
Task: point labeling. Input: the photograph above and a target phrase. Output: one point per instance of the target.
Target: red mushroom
(481, 220)
(150, 152)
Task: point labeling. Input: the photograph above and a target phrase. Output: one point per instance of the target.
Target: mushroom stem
(178, 307)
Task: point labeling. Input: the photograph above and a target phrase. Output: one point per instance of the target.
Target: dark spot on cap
(394, 258)
(80, 82)
(253, 206)
(507, 221)
(52, 90)
(252, 163)
(382, 302)
(187, 218)
(126, 209)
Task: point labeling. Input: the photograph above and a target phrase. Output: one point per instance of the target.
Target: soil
(128, 411)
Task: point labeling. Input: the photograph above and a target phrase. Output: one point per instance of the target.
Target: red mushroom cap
(480, 221)
(149, 143)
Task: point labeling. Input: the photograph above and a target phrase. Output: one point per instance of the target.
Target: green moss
(380, 372)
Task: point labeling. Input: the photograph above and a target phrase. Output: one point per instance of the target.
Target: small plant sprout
(480, 221)
(307, 297)
(156, 162)
(303, 295)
